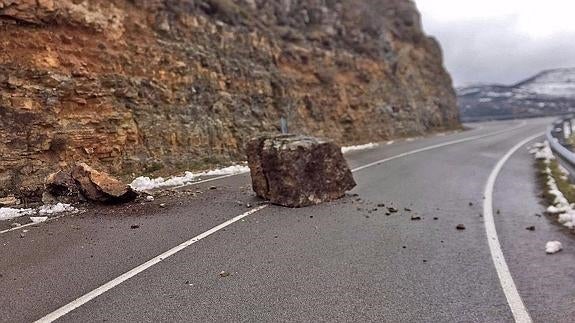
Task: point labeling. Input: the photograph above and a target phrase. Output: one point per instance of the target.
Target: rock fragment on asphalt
(530, 228)
(224, 274)
(460, 227)
(392, 210)
(552, 247)
(101, 187)
(415, 218)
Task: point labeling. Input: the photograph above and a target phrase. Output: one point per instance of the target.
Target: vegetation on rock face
(138, 85)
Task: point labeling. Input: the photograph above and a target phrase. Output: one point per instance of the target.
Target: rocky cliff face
(141, 85)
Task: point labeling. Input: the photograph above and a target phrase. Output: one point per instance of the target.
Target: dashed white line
(514, 300)
(207, 180)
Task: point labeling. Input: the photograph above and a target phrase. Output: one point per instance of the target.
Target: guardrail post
(564, 156)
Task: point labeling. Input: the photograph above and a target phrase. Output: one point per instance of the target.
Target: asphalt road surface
(340, 261)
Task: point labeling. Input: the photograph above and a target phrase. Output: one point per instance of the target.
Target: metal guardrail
(565, 157)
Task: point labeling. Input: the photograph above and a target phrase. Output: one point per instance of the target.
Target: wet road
(340, 261)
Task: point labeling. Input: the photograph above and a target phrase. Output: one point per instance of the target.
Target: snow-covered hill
(547, 93)
(556, 83)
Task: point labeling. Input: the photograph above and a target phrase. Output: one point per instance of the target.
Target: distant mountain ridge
(549, 92)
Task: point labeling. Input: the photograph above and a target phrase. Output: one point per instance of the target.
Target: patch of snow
(555, 83)
(7, 213)
(11, 213)
(543, 152)
(56, 208)
(567, 219)
(348, 149)
(144, 183)
(552, 247)
(38, 219)
(564, 211)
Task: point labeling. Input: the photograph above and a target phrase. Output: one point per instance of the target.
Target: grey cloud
(493, 51)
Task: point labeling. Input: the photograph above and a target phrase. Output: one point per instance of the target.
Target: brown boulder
(9, 201)
(297, 171)
(101, 187)
(61, 183)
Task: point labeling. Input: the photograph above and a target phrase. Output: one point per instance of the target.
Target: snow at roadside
(7, 213)
(57, 208)
(144, 183)
(348, 149)
(564, 211)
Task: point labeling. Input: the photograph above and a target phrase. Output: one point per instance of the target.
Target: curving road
(341, 261)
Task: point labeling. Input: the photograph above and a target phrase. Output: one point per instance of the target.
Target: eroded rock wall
(134, 86)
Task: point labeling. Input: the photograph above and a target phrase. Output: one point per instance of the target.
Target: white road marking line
(122, 278)
(514, 300)
(449, 143)
(207, 180)
(30, 224)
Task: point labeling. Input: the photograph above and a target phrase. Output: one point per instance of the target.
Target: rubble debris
(9, 200)
(60, 184)
(224, 274)
(100, 187)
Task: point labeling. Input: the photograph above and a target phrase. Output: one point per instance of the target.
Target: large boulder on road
(297, 171)
(100, 187)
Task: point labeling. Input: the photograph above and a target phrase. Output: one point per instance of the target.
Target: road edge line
(514, 300)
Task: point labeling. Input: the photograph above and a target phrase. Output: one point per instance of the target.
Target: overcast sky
(501, 41)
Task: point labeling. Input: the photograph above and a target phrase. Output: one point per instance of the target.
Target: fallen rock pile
(91, 184)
